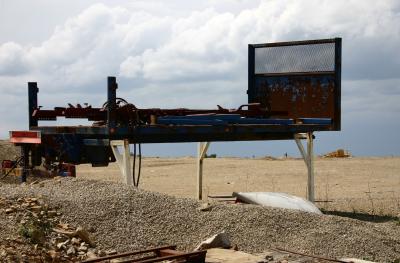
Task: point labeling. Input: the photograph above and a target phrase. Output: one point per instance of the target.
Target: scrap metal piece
(158, 254)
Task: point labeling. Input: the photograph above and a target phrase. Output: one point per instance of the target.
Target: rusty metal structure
(301, 78)
(158, 254)
(293, 91)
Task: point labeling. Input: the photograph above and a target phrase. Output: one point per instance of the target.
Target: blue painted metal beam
(320, 121)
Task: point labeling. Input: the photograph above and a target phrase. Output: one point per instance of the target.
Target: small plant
(35, 228)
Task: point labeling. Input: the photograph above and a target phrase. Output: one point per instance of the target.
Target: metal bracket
(123, 159)
(202, 150)
(308, 159)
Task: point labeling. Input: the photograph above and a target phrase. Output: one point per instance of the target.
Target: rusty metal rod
(188, 255)
(129, 254)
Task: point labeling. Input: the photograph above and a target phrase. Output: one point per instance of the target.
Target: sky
(194, 54)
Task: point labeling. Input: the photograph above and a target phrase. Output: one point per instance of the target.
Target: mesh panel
(300, 58)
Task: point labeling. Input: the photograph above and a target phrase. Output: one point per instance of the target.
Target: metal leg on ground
(25, 162)
(202, 150)
(309, 160)
(310, 150)
(123, 160)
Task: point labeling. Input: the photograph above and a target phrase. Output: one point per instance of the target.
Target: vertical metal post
(127, 163)
(199, 172)
(202, 150)
(111, 102)
(123, 160)
(32, 102)
(25, 162)
(310, 151)
(251, 71)
(309, 161)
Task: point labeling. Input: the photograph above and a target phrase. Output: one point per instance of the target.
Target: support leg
(310, 184)
(127, 163)
(202, 150)
(309, 161)
(123, 160)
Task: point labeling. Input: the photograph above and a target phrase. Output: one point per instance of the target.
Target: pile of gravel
(124, 219)
(8, 151)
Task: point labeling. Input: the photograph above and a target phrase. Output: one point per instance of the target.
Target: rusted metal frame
(92, 114)
(128, 112)
(161, 254)
(311, 256)
(161, 134)
(114, 114)
(126, 254)
(254, 110)
(336, 74)
(202, 151)
(296, 43)
(86, 137)
(89, 131)
(102, 132)
(303, 96)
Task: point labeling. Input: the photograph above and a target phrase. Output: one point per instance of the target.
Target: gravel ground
(8, 150)
(124, 218)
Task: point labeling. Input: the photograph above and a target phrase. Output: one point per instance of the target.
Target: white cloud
(206, 43)
(131, 67)
(196, 55)
(12, 59)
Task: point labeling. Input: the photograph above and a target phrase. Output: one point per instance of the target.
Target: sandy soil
(356, 185)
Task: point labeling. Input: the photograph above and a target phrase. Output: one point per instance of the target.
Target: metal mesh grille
(299, 58)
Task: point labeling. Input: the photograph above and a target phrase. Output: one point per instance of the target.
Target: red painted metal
(7, 164)
(31, 137)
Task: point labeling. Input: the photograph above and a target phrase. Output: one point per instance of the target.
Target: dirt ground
(355, 186)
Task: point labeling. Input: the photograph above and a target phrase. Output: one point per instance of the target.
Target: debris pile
(39, 228)
(127, 219)
(339, 153)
